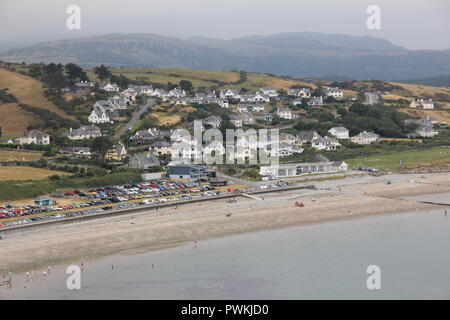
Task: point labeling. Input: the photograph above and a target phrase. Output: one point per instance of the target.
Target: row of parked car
(116, 197)
(111, 204)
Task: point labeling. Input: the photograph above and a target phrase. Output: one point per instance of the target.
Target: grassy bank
(16, 190)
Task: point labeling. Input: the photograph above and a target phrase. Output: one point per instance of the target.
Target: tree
(102, 72)
(74, 72)
(186, 86)
(101, 146)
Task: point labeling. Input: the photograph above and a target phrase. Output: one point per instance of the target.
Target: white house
(268, 91)
(426, 131)
(334, 92)
(229, 93)
(325, 143)
(316, 101)
(177, 93)
(285, 113)
(99, 115)
(422, 103)
(300, 92)
(299, 169)
(110, 87)
(35, 137)
(339, 132)
(365, 138)
(84, 132)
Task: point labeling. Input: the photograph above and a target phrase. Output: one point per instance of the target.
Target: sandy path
(346, 198)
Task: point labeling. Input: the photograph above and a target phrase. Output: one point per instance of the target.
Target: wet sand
(334, 200)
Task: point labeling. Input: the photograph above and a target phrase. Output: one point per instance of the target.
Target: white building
(285, 113)
(35, 137)
(334, 92)
(365, 138)
(110, 87)
(339, 132)
(269, 91)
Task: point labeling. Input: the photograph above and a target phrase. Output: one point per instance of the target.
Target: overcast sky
(412, 24)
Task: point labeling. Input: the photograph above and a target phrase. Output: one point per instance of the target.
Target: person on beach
(28, 276)
(112, 267)
(153, 266)
(82, 265)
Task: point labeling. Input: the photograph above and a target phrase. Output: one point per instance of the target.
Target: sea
(390, 256)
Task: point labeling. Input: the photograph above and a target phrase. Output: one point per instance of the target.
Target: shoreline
(348, 198)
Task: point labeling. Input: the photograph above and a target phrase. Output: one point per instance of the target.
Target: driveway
(135, 118)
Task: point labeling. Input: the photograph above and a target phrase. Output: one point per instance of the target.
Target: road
(135, 118)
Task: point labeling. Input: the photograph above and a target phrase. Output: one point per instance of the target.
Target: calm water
(323, 261)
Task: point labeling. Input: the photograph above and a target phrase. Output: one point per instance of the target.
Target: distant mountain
(302, 54)
(439, 81)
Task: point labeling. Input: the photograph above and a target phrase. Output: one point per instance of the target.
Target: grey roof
(159, 144)
(147, 159)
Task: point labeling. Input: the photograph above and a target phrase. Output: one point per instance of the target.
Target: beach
(338, 199)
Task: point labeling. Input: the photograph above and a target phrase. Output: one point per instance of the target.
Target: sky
(411, 24)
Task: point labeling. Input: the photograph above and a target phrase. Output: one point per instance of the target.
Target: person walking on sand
(112, 267)
(82, 265)
(28, 276)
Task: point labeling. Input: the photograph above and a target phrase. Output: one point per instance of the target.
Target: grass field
(16, 173)
(13, 119)
(16, 155)
(409, 158)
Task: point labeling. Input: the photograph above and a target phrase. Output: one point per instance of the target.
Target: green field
(410, 159)
(204, 78)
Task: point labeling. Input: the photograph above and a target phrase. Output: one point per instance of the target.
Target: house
(43, 201)
(177, 93)
(35, 137)
(110, 87)
(192, 173)
(339, 132)
(83, 132)
(76, 151)
(258, 97)
(307, 136)
(284, 150)
(229, 94)
(263, 116)
(299, 169)
(300, 92)
(285, 113)
(161, 93)
(316, 101)
(143, 161)
(119, 102)
(365, 138)
(371, 98)
(247, 118)
(82, 87)
(99, 115)
(144, 90)
(118, 152)
(422, 103)
(161, 148)
(148, 134)
(236, 120)
(256, 108)
(426, 131)
(242, 108)
(268, 91)
(325, 143)
(287, 138)
(334, 92)
(130, 93)
(213, 121)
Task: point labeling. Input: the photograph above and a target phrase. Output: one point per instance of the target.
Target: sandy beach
(335, 199)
